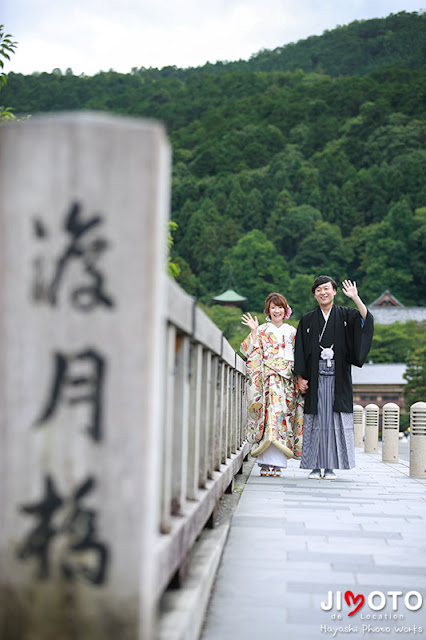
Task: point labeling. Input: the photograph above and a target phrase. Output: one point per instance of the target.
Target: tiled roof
(386, 296)
(230, 296)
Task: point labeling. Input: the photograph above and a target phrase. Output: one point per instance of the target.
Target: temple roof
(387, 309)
(229, 297)
(386, 299)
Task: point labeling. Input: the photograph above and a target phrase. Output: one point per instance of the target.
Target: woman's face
(276, 313)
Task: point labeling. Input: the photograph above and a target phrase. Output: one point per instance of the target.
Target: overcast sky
(97, 35)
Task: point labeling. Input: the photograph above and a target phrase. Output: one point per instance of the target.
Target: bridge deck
(292, 540)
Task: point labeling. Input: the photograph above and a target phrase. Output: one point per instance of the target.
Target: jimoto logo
(375, 600)
(350, 598)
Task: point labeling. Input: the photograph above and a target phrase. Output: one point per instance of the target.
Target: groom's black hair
(323, 280)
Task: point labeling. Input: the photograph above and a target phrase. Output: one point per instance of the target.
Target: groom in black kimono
(328, 341)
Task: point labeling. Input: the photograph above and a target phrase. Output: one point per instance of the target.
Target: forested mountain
(304, 160)
(356, 49)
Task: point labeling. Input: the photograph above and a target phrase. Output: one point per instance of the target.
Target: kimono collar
(327, 315)
(325, 327)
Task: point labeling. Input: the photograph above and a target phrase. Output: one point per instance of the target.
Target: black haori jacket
(352, 341)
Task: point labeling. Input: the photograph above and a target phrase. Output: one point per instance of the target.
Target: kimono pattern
(274, 405)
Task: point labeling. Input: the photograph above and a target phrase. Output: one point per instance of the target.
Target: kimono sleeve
(248, 346)
(361, 337)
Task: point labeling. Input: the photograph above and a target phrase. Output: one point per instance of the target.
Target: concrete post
(180, 426)
(210, 336)
(205, 417)
(238, 416)
(418, 440)
(214, 462)
(226, 416)
(228, 356)
(83, 206)
(358, 425)
(167, 461)
(371, 428)
(241, 368)
(196, 362)
(390, 432)
(220, 412)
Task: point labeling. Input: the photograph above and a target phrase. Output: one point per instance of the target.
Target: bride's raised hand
(250, 322)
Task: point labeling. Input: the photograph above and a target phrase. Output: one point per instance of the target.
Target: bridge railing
(204, 445)
(121, 403)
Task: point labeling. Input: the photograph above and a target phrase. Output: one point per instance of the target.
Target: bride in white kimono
(275, 406)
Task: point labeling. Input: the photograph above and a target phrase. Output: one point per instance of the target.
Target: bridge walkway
(292, 540)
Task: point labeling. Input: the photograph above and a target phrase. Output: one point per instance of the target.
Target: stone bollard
(84, 202)
(358, 425)
(371, 428)
(418, 440)
(390, 432)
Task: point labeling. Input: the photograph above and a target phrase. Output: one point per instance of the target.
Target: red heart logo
(359, 597)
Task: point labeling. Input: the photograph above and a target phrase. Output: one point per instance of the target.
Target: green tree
(7, 47)
(173, 267)
(417, 252)
(258, 268)
(295, 224)
(275, 224)
(322, 251)
(385, 263)
(415, 375)
(254, 210)
(398, 137)
(333, 165)
(393, 342)
(401, 218)
(366, 195)
(228, 319)
(201, 245)
(407, 177)
(236, 205)
(186, 278)
(306, 185)
(300, 296)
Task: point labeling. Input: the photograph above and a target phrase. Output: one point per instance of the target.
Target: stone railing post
(371, 442)
(418, 440)
(358, 425)
(84, 202)
(390, 432)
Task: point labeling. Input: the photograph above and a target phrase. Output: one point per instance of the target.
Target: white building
(379, 383)
(386, 309)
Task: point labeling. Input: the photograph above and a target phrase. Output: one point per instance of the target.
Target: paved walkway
(292, 540)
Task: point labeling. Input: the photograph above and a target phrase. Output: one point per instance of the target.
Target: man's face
(324, 294)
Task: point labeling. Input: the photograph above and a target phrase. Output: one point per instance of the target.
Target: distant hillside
(356, 49)
(284, 166)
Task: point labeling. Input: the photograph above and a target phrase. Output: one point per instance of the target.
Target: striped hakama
(328, 436)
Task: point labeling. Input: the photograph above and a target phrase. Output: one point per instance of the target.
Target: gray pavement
(293, 540)
(404, 449)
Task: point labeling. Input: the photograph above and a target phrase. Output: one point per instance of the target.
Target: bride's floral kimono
(275, 406)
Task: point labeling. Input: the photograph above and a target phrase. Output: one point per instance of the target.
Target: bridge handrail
(203, 445)
(121, 403)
